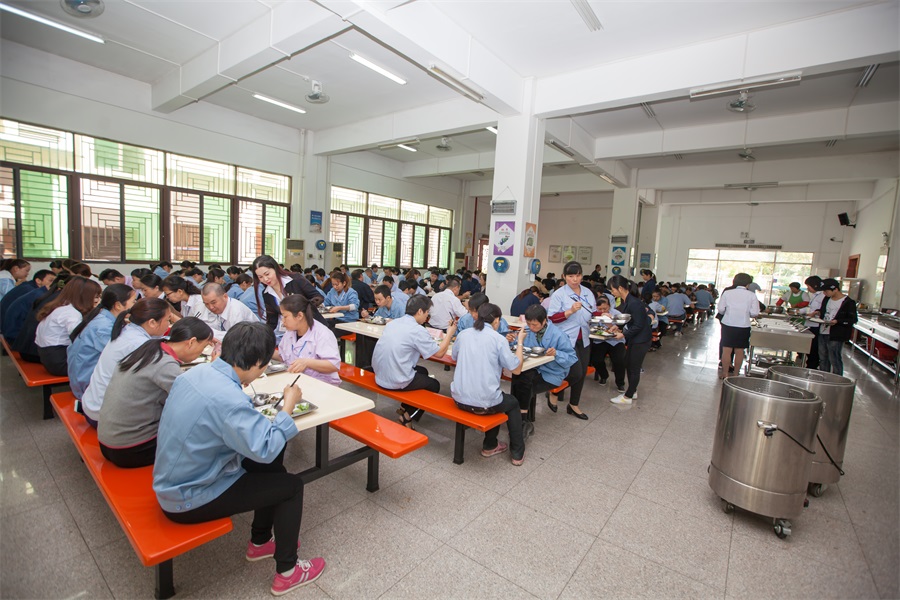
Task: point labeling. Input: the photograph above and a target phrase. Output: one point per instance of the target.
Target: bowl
(538, 350)
(263, 399)
(621, 319)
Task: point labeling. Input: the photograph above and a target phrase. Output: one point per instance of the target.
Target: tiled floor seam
(413, 568)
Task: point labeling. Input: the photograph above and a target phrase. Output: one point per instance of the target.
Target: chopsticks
(280, 402)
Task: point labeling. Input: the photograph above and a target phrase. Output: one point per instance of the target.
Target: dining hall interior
(694, 139)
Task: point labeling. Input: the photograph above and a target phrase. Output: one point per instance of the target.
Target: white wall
(872, 219)
(798, 227)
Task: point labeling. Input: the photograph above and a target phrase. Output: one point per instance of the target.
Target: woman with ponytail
(182, 291)
(92, 335)
(137, 391)
(637, 334)
(148, 318)
(307, 347)
(57, 320)
(481, 354)
(151, 287)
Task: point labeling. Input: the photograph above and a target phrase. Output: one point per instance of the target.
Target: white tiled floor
(616, 506)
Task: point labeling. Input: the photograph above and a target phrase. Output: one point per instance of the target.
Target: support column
(517, 177)
(316, 195)
(626, 205)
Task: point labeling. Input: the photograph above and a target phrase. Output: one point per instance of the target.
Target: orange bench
(435, 404)
(35, 375)
(130, 496)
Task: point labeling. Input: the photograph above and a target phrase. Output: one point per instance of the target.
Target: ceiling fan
(82, 8)
(747, 154)
(444, 146)
(317, 95)
(742, 104)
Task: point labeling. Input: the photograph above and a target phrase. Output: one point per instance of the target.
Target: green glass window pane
(112, 159)
(386, 208)
(185, 226)
(353, 251)
(101, 229)
(389, 257)
(8, 248)
(38, 146)
(276, 231)
(216, 229)
(45, 214)
(250, 233)
(444, 252)
(349, 201)
(375, 242)
(419, 247)
(434, 236)
(410, 211)
(141, 223)
(263, 186)
(440, 216)
(337, 232)
(700, 253)
(406, 246)
(201, 175)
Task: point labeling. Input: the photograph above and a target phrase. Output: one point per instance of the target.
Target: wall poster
(504, 232)
(315, 221)
(569, 253)
(645, 260)
(585, 255)
(555, 254)
(530, 244)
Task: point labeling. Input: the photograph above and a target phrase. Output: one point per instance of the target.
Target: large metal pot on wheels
(762, 450)
(836, 393)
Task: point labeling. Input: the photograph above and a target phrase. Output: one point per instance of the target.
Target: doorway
(483, 254)
(852, 266)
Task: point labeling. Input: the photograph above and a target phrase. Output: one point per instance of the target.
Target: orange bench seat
(129, 492)
(35, 375)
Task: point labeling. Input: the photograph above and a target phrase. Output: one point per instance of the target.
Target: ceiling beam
(468, 163)
(424, 35)
(569, 134)
(285, 30)
(840, 40)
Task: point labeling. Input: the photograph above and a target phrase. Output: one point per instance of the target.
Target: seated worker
(403, 342)
(794, 297)
(217, 456)
(342, 298)
(481, 354)
(366, 298)
(110, 276)
(151, 287)
(468, 320)
(42, 278)
(222, 313)
(435, 283)
(183, 291)
(703, 302)
(128, 421)
(612, 347)
(527, 384)
(388, 306)
(676, 304)
(526, 298)
(93, 334)
(447, 307)
(59, 318)
(396, 293)
(16, 304)
(239, 286)
(658, 305)
(307, 346)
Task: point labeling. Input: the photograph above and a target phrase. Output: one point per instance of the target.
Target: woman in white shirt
(735, 309)
(307, 346)
(57, 320)
(182, 290)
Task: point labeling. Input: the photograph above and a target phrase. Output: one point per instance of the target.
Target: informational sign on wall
(315, 221)
(585, 255)
(645, 260)
(504, 232)
(530, 244)
(618, 255)
(569, 253)
(555, 254)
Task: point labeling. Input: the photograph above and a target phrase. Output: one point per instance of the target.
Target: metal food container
(836, 393)
(762, 450)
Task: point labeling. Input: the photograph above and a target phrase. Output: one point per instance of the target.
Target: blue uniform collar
(225, 369)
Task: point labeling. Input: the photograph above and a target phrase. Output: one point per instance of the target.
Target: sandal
(406, 421)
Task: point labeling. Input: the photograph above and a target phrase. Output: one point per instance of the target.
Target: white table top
(333, 402)
(514, 321)
(334, 315)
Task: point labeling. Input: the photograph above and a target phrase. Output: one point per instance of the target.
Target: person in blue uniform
(342, 298)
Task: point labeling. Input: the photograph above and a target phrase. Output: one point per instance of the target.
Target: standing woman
(129, 421)
(636, 333)
(571, 307)
(481, 354)
(307, 346)
(148, 318)
(278, 284)
(649, 281)
(12, 270)
(58, 319)
(181, 290)
(736, 307)
(92, 335)
(343, 298)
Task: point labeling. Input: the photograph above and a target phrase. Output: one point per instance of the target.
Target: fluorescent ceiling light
(751, 186)
(401, 143)
(279, 103)
(746, 84)
(867, 76)
(492, 130)
(648, 110)
(455, 83)
(380, 70)
(557, 146)
(587, 14)
(44, 21)
(609, 180)
(405, 147)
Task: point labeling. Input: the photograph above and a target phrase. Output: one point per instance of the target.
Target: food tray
(269, 411)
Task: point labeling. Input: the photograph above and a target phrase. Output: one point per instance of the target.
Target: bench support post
(372, 478)
(459, 447)
(48, 408)
(165, 583)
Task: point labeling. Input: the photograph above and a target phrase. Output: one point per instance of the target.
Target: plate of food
(815, 320)
(662, 312)
(375, 320)
(303, 407)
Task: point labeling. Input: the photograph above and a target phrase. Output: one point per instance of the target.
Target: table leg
(48, 408)
(322, 433)
(165, 583)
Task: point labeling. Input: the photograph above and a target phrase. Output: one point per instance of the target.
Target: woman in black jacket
(839, 313)
(637, 334)
(278, 284)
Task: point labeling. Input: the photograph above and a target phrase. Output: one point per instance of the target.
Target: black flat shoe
(553, 407)
(581, 416)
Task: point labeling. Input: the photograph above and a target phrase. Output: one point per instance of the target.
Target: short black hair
(356, 274)
(248, 345)
(383, 290)
(536, 312)
(41, 274)
(417, 303)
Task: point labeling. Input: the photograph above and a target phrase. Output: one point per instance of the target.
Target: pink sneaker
(501, 447)
(305, 572)
(267, 550)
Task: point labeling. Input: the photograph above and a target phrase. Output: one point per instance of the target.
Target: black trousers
(133, 457)
(421, 381)
(508, 405)
(276, 499)
(634, 360)
(526, 385)
(577, 372)
(616, 353)
(54, 359)
(812, 359)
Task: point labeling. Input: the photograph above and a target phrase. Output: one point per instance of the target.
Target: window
(389, 231)
(213, 212)
(773, 271)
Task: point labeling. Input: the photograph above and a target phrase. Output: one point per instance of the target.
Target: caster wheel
(782, 528)
(817, 489)
(728, 508)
